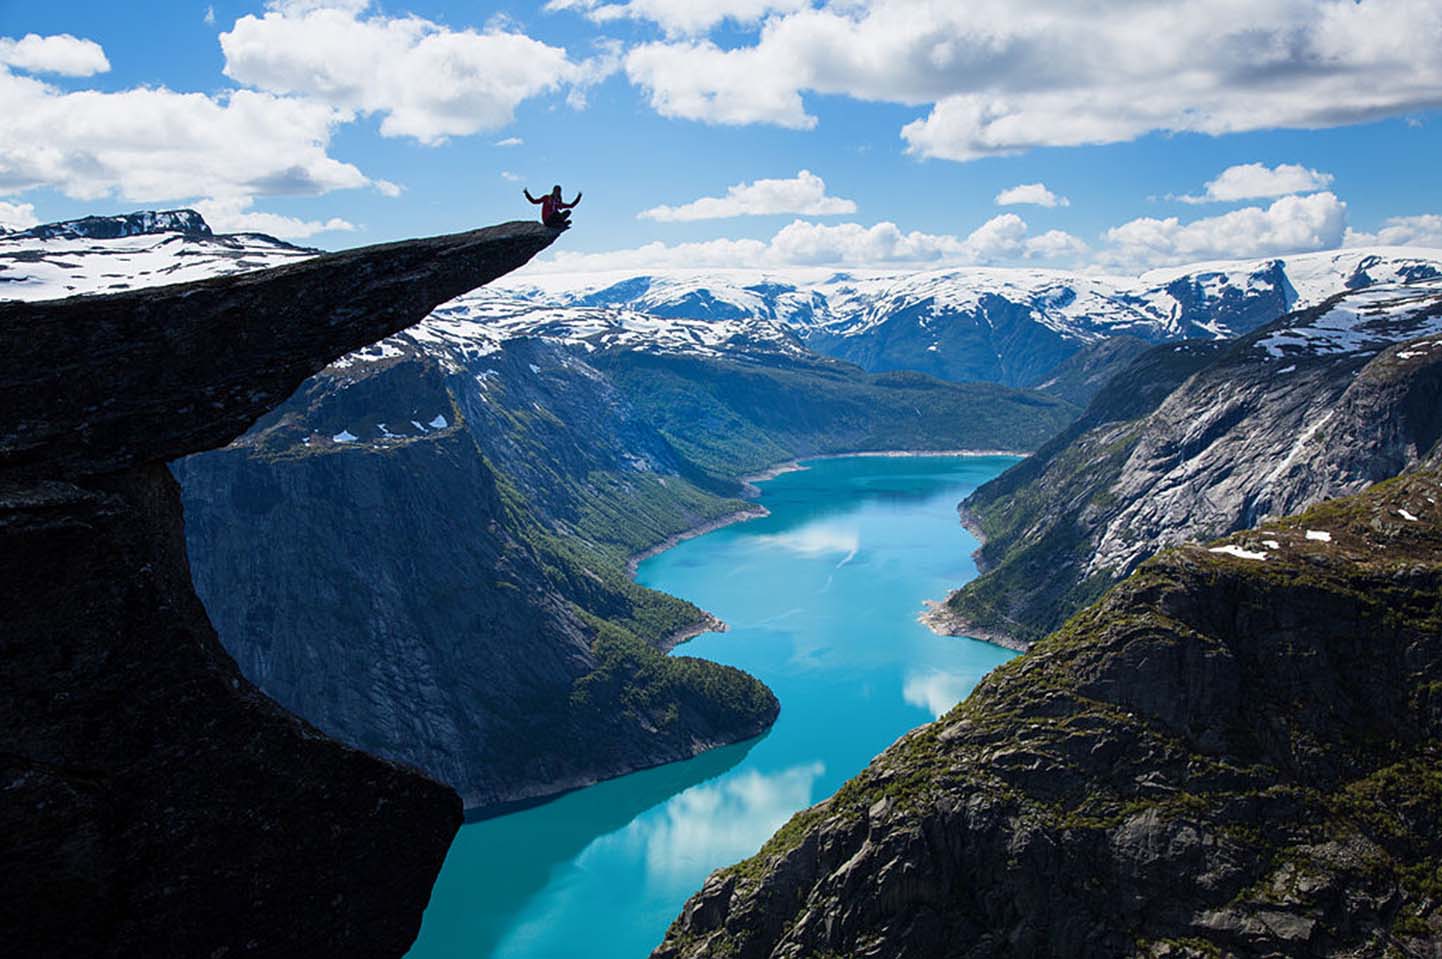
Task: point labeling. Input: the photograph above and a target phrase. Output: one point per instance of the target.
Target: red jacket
(551, 205)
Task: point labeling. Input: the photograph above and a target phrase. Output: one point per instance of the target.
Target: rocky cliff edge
(154, 802)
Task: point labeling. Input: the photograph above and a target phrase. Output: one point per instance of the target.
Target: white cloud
(999, 79)
(1036, 194)
(425, 80)
(234, 215)
(511, 177)
(1292, 224)
(17, 216)
(63, 54)
(701, 81)
(510, 142)
(1255, 181)
(804, 194)
(803, 243)
(1423, 230)
(1055, 245)
(153, 144)
(209, 18)
(680, 16)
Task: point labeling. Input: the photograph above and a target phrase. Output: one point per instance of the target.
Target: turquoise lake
(822, 598)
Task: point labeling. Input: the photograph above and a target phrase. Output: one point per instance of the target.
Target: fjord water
(822, 598)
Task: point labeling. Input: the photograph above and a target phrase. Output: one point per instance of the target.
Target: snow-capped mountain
(1006, 325)
(1009, 325)
(99, 255)
(110, 254)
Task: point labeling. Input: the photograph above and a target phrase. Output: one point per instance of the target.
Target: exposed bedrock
(1235, 752)
(155, 803)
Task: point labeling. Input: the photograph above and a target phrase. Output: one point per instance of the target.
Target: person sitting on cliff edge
(555, 213)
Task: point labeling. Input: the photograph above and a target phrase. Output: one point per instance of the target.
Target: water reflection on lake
(822, 598)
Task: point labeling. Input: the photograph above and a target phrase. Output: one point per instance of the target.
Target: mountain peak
(188, 222)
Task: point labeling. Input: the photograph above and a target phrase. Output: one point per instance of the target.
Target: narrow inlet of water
(822, 598)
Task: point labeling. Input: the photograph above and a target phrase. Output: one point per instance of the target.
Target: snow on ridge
(712, 311)
(40, 268)
(1368, 319)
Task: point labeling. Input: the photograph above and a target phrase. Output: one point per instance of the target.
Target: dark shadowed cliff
(155, 803)
(1234, 753)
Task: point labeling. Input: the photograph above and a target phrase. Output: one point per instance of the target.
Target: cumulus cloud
(234, 215)
(63, 54)
(153, 144)
(697, 80)
(1292, 224)
(680, 16)
(424, 80)
(1035, 194)
(1255, 181)
(804, 194)
(17, 216)
(803, 243)
(998, 79)
(1423, 230)
(1055, 245)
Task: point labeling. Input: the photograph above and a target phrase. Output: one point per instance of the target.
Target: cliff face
(1234, 752)
(446, 518)
(1317, 405)
(459, 631)
(154, 801)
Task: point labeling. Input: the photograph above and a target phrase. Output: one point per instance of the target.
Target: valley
(821, 597)
(426, 550)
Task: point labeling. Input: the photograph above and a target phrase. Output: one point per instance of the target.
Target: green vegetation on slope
(729, 418)
(1225, 755)
(1031, 517)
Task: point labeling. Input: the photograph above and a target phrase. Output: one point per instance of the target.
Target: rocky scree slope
(1194, 441)
(154, 801)
(1236, 751)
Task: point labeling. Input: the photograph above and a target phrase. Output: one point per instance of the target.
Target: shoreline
(675, 539)
(941, 621)
(931, 617)
(793, 465)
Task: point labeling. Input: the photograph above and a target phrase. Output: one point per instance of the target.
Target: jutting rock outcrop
(154, 802)
(1236, 752)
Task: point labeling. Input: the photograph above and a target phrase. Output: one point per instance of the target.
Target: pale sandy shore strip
(791, 466)
(740, 516)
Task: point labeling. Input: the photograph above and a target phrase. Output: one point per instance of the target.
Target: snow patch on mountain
(1369, 319)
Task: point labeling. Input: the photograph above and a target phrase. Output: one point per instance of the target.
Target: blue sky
(341, 122)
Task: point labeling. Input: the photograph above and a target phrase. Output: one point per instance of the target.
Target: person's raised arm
(528, 195)
(575, 201)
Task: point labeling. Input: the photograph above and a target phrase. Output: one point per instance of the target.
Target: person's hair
(556, 188)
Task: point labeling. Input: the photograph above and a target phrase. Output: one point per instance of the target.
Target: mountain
(464, 498)
(1191, 443)
(1235, 752)
(1004, 325)
(424, 549)
(113, 254)
(154, 801)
